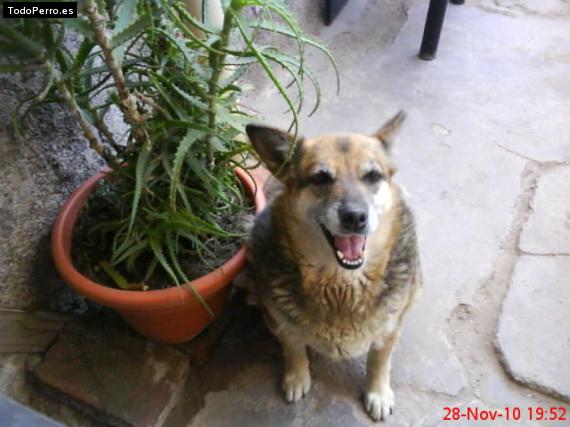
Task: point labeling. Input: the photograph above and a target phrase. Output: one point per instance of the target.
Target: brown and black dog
(333, 258)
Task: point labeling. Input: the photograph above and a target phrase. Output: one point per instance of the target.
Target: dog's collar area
(349, 264)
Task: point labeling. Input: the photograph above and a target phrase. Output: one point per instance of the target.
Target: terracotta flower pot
(171, 315)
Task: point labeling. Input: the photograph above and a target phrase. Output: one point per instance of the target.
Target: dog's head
(338, 186)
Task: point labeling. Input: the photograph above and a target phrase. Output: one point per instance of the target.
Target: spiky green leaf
(158, 252)
(269, 72)
(117, 277)
(27, 47)
(178, 268)
(183, 148)
(132, 30)
(192, 100)
(141, 165)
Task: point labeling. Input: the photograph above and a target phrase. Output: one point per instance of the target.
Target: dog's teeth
(340, 255)
(350, 262)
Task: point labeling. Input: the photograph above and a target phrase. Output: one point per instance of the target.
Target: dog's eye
(321, 178)
(373, 176)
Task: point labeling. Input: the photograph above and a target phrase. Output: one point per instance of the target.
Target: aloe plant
(178, 94)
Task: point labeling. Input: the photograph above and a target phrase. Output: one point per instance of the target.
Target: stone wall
(36, 176)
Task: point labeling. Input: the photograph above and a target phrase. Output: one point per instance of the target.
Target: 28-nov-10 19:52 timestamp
(508, 413)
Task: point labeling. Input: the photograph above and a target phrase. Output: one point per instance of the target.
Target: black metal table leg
(432, 30)
(332, 9)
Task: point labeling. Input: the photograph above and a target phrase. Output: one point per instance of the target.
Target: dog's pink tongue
(351, 247)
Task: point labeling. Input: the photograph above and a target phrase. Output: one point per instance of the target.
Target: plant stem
(128, 101)
(217, 64)
(105, 131)
(85, 126)
(98, 22)
(149, 101)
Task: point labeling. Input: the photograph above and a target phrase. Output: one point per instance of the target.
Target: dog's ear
(273, 147)
(387, 132)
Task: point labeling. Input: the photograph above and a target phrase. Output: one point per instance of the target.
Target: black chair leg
(432, 30)
(457, 1)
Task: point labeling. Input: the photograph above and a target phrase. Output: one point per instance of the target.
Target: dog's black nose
(353, 218)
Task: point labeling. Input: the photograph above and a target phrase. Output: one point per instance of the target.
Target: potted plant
(177, 170)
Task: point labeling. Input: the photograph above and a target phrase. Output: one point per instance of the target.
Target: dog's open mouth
(348, 250)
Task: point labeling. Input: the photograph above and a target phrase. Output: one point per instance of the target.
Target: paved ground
(485, 157)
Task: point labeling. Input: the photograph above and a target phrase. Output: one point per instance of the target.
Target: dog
(333, 259)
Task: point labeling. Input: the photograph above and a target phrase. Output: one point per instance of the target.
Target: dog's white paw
(379, 405)
(296, 384)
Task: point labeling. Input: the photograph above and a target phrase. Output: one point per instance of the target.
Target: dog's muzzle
(348, 250)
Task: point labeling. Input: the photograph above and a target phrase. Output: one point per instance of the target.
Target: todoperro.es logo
(33, 9)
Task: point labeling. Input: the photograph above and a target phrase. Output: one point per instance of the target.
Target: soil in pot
(92, 246)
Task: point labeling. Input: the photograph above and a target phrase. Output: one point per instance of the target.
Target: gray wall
(36, 175)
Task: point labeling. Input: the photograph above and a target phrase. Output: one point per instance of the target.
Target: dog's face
(339, 186)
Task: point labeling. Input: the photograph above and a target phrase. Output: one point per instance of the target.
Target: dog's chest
(343, 316)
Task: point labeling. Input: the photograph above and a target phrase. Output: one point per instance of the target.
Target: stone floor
(485, 158)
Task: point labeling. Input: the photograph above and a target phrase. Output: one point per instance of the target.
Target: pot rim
(207, 285)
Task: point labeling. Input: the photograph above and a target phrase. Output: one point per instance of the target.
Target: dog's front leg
(379, 397)
(297, 377)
